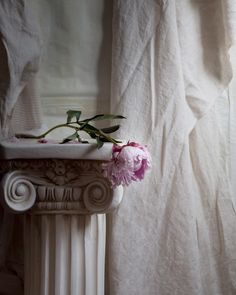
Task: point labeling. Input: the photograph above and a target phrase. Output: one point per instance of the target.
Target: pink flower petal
(129, 163)
(43, 140)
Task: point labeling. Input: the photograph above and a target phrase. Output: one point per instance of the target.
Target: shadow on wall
(104, 64)
(213, 37)
(4, 71)
(11, 261)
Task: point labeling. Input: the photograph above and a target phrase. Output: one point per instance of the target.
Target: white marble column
(64, 203)
(64, 254)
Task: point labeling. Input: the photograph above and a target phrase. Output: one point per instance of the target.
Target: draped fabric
(20, 49)
(175, 233)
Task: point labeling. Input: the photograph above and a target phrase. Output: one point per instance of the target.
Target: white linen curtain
(175, 232)
(20, 48)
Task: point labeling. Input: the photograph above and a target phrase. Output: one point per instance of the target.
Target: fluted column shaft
(66, 254)
(64, 204)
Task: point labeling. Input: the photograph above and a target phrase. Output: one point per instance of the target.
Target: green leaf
(85, 126)
(71, 137)
(92, 134)
(77, 136)
(110, 129)
(104, 117)
(99, 143)
(92, 131)
(73, 114)
(97, 133)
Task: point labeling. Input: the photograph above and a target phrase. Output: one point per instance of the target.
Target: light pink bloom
(129, 163)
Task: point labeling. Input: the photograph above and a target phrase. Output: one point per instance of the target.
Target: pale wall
(75, 70)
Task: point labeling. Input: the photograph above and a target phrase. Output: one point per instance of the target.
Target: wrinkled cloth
(174, 233)
(20, 49)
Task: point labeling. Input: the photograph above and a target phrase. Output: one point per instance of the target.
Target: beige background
(75, 69)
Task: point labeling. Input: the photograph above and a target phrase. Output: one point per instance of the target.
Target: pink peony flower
(129, 163)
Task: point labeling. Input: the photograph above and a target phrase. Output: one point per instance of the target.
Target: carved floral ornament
(57, 186)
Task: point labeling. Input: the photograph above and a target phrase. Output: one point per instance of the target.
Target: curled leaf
(110, 129)
(73, 114)
(99, 142)
(74, 136)
(104, 117)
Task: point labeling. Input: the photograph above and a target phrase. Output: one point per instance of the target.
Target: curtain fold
(20, 48)
(175, 232)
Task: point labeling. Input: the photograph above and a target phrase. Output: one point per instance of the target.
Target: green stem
(53, 128)
(82, 127)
